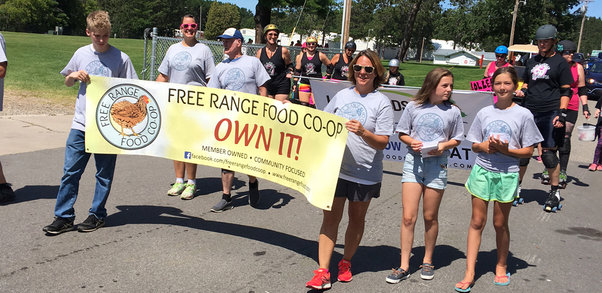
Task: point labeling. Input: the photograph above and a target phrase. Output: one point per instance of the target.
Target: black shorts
(571, 116)
(279, 87)
(356, 191)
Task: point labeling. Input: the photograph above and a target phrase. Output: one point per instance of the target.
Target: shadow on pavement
(270, 198)
(486, 261)
(33, 192)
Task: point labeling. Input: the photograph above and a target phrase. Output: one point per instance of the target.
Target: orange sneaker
(321, 280)
(345, 271)
(592, 167)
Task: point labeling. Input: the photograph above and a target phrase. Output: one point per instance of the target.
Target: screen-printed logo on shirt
(97, 68)
(429, 127)
(499, 128)
(234, 79)
(181, 61)
(355, 111)
(540, 71)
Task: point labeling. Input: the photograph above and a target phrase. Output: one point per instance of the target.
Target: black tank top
(313, 67)
(274, 66)
(341, 69)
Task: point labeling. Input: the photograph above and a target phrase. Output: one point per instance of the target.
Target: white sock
(179, 180)
(192, 181)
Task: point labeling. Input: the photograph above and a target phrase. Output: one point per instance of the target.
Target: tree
(36, 16)
(221, 16)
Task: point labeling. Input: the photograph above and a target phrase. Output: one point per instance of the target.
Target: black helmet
(546, 31)
(350, 45)
(566, 45)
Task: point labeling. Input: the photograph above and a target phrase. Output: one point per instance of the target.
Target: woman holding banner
(187, 62)
(370, 125)
(501, 52)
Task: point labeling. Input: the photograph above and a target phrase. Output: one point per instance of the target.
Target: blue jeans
(76, 160)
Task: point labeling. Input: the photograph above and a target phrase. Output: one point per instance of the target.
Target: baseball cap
(231, 33)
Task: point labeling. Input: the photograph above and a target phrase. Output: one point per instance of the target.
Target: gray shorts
(356, 191)
(431, 171)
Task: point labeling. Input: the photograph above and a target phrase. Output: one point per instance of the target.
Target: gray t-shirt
(362, 163)
(431, 124)
(244, 74)
(188, 65)
(112, 63)
(2, 59)
(514, 124)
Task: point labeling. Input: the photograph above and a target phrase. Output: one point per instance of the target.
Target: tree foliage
(221, 16)
(36, 16)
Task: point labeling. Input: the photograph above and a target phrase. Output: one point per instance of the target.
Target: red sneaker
(592, 167)
(599, 168)
(321, 280)
(345, 271)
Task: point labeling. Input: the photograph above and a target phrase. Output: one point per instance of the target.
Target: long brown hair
(431, 81)
(379, 70)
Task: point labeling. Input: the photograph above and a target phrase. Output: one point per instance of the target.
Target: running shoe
(188, 192)
(345, 271)
(176, 189)
(427, 271)
(592, 167)
(397, 276)
(321, 280)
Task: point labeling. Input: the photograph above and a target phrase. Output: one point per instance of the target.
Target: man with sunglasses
(277, 62)
(242, 73)
(546, 91)
(187, 62)
(500, 61)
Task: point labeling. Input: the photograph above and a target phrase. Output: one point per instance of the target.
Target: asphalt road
(156, 243)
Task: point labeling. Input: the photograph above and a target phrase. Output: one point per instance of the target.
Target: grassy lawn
(35, 60)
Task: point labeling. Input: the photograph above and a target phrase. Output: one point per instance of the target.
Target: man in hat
(241, 73)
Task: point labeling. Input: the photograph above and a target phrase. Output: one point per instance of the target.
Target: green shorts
(492, 186)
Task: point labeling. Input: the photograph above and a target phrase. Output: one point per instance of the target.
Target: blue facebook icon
(187, 155)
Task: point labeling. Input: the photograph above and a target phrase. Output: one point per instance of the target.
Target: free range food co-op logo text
(128, 117)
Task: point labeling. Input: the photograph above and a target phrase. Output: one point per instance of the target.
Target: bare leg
(227, 179)
(501, 212)
(328, 231)
(475, 230)
(304, 96)
(355, 228)
(430, 210)
(281, 97)
(180, 168)
(2, 178)
(191, 170)
(410, 198)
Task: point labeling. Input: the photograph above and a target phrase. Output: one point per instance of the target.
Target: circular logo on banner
(128, 117)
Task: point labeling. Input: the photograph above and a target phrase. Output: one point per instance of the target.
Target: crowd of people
(503, 135)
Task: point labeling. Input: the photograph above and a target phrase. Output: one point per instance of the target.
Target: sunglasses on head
(358, 68)
(191, 26)
(568, 52)
(500, 56)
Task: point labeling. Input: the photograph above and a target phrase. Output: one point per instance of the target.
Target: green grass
(35, 60)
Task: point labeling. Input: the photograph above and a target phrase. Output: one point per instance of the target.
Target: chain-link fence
(155, 48)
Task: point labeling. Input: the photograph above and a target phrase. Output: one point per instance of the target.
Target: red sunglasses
(186, 26)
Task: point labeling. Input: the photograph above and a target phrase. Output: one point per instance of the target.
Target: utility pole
(513, 23)
(345, 24)
(584, 10)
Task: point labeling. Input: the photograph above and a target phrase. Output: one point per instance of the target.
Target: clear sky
(594, 8)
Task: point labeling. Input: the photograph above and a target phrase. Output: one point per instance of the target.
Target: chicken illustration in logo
(128, 114)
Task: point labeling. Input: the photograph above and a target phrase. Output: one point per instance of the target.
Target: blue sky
(594, 8)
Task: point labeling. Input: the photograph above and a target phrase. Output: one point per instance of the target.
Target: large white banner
(470, 102)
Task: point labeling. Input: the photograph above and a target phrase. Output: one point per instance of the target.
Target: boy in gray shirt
(98, 58)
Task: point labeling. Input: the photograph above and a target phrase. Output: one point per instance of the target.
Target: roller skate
(545, 177)
(562, 180)
(552, 204)
(518, 200)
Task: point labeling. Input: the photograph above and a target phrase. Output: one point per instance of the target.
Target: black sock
(254, 185)
(554, 187)
(227, 197)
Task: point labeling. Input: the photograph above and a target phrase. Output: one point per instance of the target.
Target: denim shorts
(552, 136)
(431, 171)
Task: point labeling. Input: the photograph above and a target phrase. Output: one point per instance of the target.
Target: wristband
(562, 116)
(524, 90)
(585, 108)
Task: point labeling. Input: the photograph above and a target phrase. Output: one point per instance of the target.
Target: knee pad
(549, 159)
(565, 148)
(523, 162)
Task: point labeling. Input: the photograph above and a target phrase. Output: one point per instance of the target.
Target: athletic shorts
(430, 172)
(552, 136)
(282, 87)
(571, 116)
(304, 87)
(492, 186)
(356, 191)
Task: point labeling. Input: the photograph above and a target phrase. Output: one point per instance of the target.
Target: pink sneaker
(599, 168)
(321, 280)
(345, 271)
(593, 167)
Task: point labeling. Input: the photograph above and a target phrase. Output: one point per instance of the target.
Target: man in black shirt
(546, 91)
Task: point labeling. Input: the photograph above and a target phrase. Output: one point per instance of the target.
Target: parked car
(593, 81)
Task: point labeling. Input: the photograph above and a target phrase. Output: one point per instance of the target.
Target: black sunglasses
(358, 68)
(500, 56)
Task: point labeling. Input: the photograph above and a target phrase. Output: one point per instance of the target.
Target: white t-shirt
(244, 74)
(112, 63)
(2, 59)
(362, 163)
(188, 65)
(514, 124)
(431, 124)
